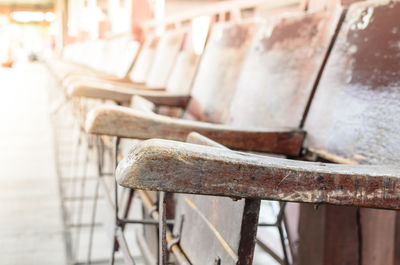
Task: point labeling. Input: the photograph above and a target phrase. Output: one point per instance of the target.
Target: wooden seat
(151, 71)
(352, 120)
(101, 59)
(226, 99)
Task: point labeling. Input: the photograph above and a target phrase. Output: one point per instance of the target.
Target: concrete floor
(31, 230)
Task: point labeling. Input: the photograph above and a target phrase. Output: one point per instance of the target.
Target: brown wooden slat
(125, 122)
(186, 168)
(281, 68)
(219, 69)
(354, 115)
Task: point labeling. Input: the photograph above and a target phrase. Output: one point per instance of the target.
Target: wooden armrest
(89, 79)
(130, 123)
(187, 168)
(124, 93)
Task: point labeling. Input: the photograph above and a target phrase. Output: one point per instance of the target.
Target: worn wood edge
(187, 168)
(158, 96)
(92, 78)
(96, 81)
(108, 90)
(130, 123)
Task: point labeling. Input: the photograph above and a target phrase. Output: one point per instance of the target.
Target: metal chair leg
(81, 200)
(162, 230)
(99, 149)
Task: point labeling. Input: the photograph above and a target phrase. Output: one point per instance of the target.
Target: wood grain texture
(165, 57)
(219, 69)
(281, 68)
(354, 116)
(173, 70)
(82, 78)
(143, 63)
(186, 168)
(129, 123)
(355, 110)
(124, 94)
(154, 50)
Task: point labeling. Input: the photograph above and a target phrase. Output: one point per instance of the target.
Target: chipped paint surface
(213, 171)
(280, 70)
(354, 113)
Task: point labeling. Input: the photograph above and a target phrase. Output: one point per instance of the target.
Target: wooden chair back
(354, 119)
(164, 58)
(157, 58)
(219, 69)
(143, 63)
(182, 75)
(121, 52)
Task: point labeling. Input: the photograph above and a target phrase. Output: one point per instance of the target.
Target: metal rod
(92, 222)
(99, 153)
(82, 195)
(162, 229)
(285, 255)
(145, 221)
(115, 243)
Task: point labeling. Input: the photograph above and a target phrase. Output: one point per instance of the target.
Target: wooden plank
(173, 70)
(142, 66)
(187, 168)
(186, 64)
(130, 123)
(378, 244)
(281, 68)
(354, 114)
(164, 59)
(219, 69)
(124, 94)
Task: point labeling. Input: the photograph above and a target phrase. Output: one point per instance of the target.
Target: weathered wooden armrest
(187, 168)
(124, 93)
(89, 79)
(130, 123)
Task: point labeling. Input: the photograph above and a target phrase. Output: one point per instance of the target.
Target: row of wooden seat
(352, 119)
(219, 52)
(95, 57)
(168, 63)
(232, 54)
(260, 78)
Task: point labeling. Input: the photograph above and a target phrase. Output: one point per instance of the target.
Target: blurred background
(38, 28)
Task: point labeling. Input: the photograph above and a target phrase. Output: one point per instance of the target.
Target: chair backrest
(281, 69)
(187, 61)
(164, 58)
(141, 67)
(113, 56)
(157, 58)
(294, 44)
(354, 118)
(123, 52)
(219, 68)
